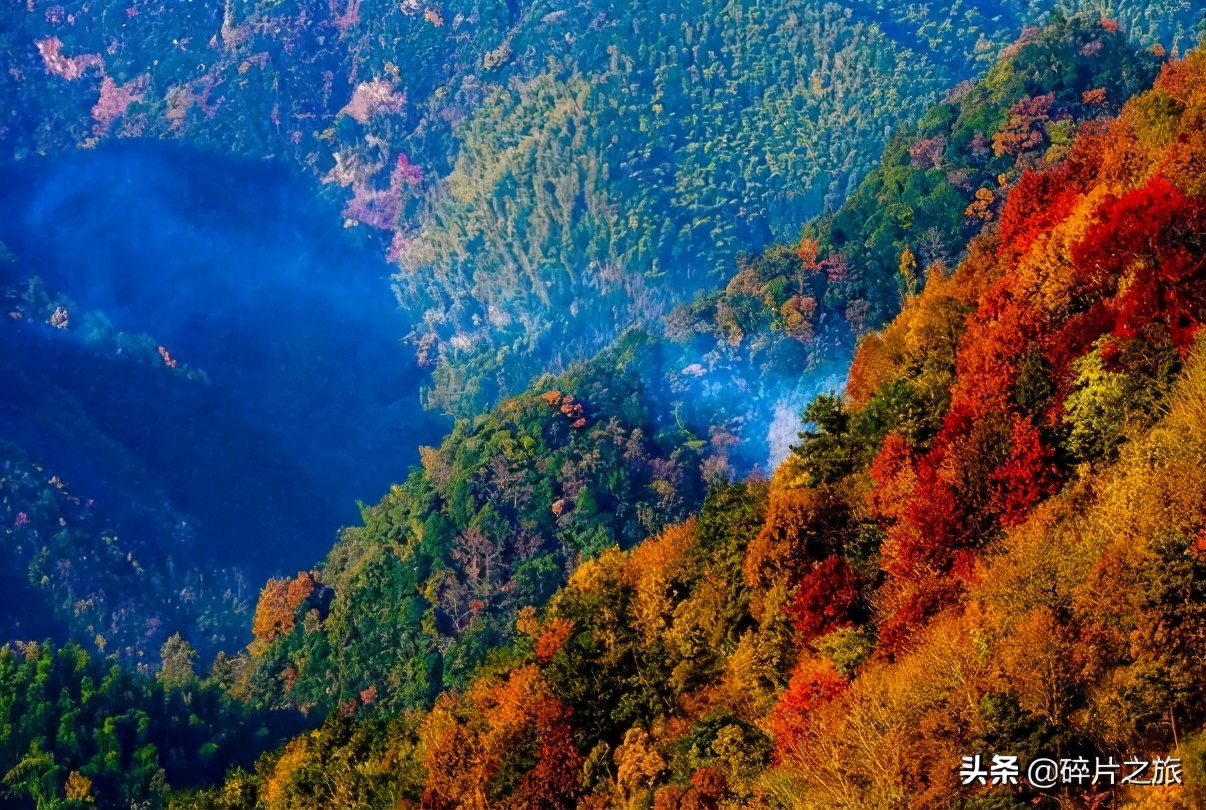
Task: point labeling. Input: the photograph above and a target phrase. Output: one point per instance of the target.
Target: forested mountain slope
(503, 511)
(547, 173)
(724, 391)
(990, 543)
(790, 310)
(104, 538)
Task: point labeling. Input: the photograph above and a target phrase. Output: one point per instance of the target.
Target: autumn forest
(543, 405)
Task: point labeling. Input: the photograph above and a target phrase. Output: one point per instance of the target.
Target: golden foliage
(927, 330)
(471, 739)
(276, 612)
(650, 569)
(638, 763)
(893, 734)
(597, 573)
(874, 364)
(79, 788)
(801, 523)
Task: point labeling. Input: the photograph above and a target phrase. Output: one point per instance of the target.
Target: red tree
(825, 599)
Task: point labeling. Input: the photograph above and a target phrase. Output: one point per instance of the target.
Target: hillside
(655, 562)
(990, 543)
(200, 376)
(794, 309)
(492, 522)
(725, 390)
(545, 174)
(610, 453)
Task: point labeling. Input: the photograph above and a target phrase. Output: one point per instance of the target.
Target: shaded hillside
(237, 270)
(194, 394)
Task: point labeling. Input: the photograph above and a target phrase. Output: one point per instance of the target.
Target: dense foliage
(992, 541)
(78, 731)
(784, 325)
(939, 182)
(408, 604)
(547, 173)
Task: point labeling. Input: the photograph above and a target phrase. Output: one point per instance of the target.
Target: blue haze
(244, 272)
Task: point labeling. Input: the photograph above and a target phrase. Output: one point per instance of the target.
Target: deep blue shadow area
(242, 271)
